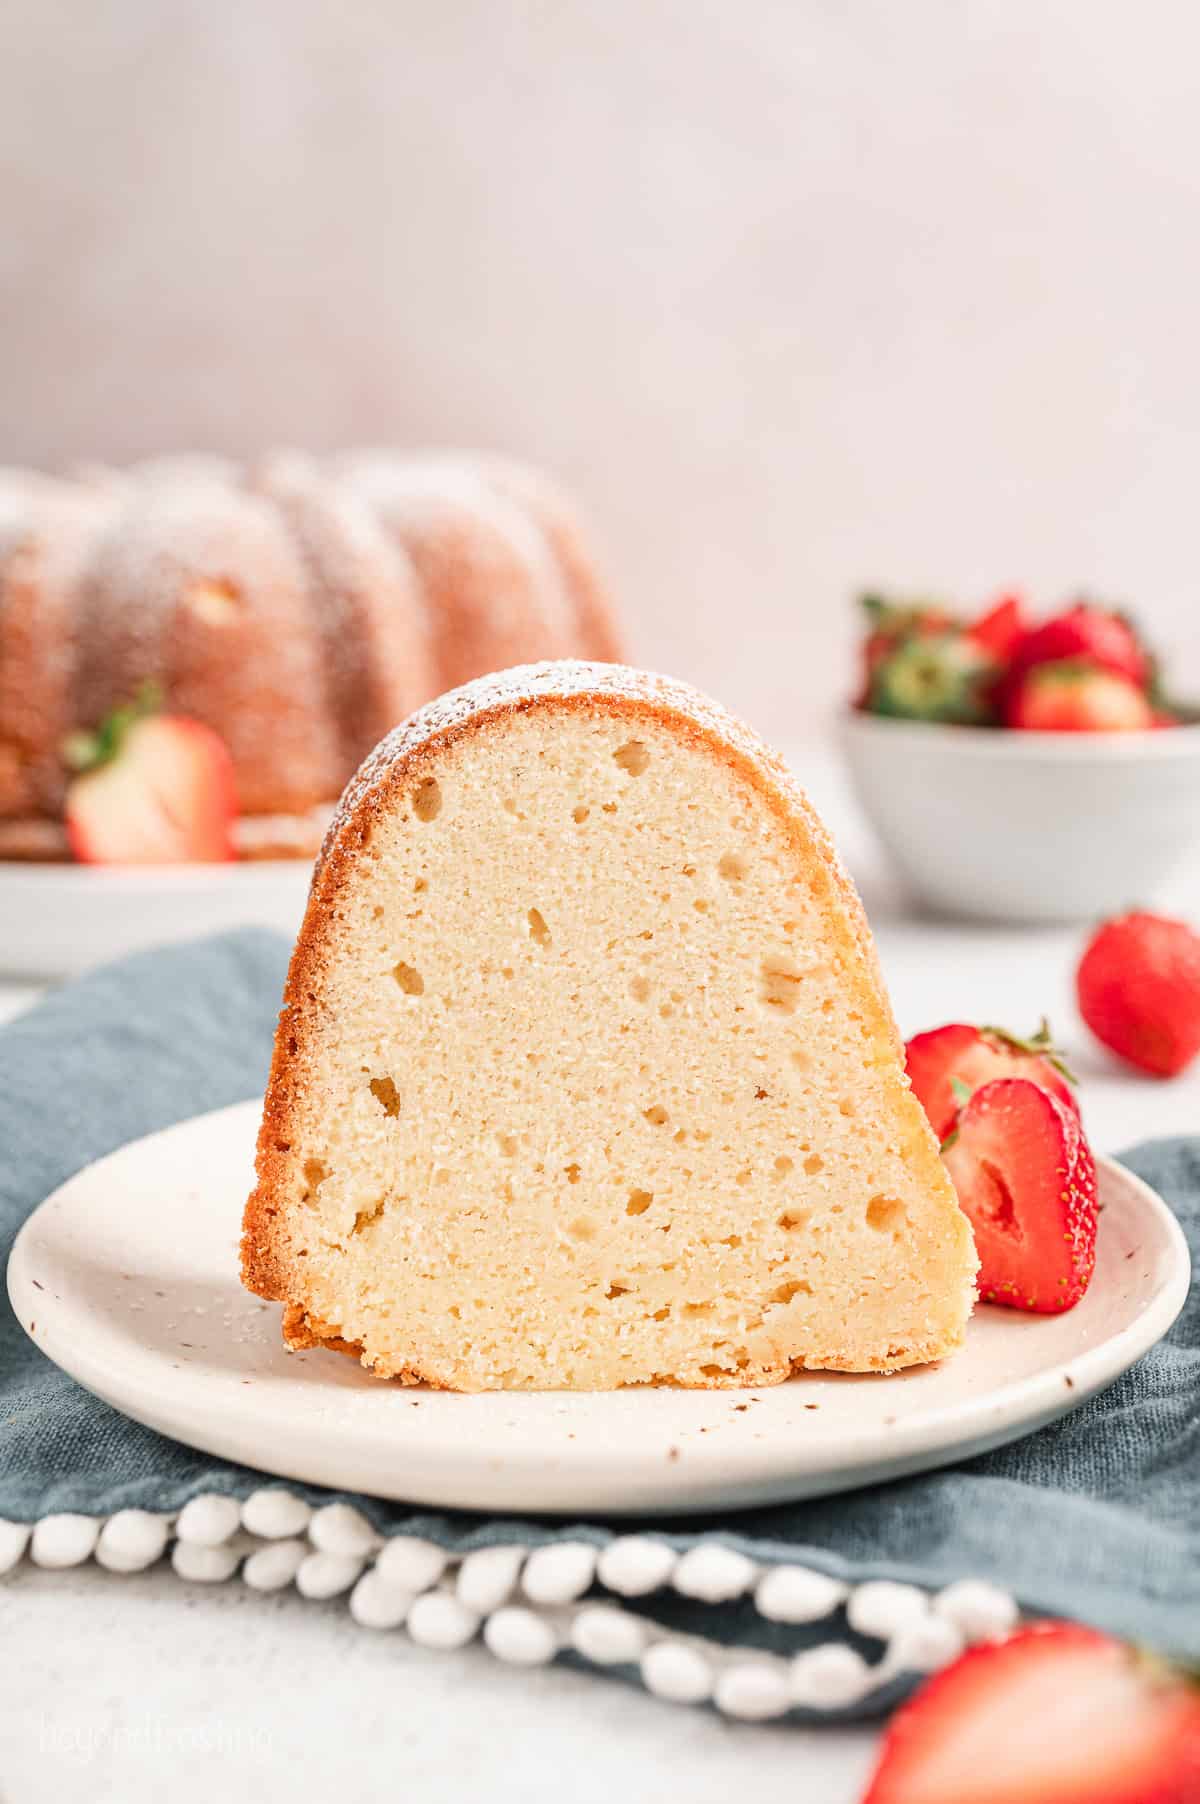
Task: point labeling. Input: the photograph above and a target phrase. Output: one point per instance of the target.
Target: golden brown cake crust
(397, 765)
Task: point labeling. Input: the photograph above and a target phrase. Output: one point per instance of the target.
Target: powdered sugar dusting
(527, 685)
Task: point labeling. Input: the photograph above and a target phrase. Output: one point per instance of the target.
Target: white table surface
(130, 1689)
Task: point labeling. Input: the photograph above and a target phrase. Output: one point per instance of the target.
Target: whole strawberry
(1075, 696)
(1138, 985)
(1105, 638)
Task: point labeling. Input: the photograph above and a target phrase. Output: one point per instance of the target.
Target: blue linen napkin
(1096, 1516)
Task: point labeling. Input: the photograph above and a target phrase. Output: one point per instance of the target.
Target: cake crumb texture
(585, 1075)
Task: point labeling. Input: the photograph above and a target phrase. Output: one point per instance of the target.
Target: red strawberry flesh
(972, 1056)
(1055, 1714)
(1025, 1177)
(167, 797)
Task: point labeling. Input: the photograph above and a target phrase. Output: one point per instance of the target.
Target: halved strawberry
(1025, 1177)
(1074, 696)
(154, 789)
(946, 1060)
(1101, 636)
(1054, 1714)
(1001, 629)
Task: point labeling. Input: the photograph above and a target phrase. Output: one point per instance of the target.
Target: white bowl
(1017, 826)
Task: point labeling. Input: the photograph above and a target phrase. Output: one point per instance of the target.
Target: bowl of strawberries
(1023, 770)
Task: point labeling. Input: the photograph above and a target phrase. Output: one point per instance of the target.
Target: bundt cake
(585, 1074)
(298, 607)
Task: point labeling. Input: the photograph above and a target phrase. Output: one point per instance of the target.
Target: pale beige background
(797, 295)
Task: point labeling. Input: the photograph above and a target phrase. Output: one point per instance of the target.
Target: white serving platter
(127, 1278)
(57, 920)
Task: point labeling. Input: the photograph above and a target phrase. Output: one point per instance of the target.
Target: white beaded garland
(677, 1672)
(753, 1691)
(340, 1529)
(925, 1646)
(275, 1514)
(795, 1594)
(64, 1540)
(132, 1540)
(410, 1561)
(518, 1637)
(608, 1636)
(376, 1604)
(438, 1620)
(634, 1565)
(830, 1676)
(979, 1610)
(14, 1539)
(882, 1608)
(714, 1574)
(559, 1572)
(322, 1575)
(487, 1577)
(272, 1567)
(202, 1565)
(209, 1520)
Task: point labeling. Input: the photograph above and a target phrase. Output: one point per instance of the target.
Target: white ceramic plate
(127, 1278)
(59, 919)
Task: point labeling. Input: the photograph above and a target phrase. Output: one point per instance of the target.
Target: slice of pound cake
(585, 1074)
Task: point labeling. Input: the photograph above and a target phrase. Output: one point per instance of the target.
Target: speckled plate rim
(127, 1278)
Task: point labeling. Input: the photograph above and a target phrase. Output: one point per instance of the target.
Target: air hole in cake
(315, 1174)
(508, 1145)
(616, 1290)
(660, 1315)
(582, 1228)
(386, 1095)
(639, 1202)
(538, 930)
(794, 1287)
(572, 1172)
(608, 807)
(847, 1108)
(418, 886)
(680, 1136)
(713, 1371)
(639, 989)
(427, 799)
(695, 1309)
(782, 1165)
(813, 1164)
(779, 985)
(700, 905)
(792, 1219)
(743, 1176)
(733, 868)
(580, 814)
(409, 979)
(657, 1116)
(731, 1240)
(665, 1010)
(885, 1213)
(364, 1217)
(632, 757)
